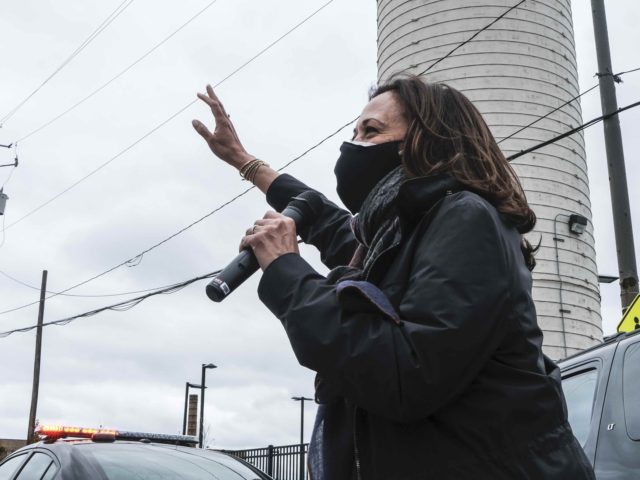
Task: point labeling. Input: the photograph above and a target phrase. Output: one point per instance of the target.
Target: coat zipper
(355, 442)
(380, 255)
(355, 408)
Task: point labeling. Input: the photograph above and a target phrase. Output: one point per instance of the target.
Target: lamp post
(301, 400)
(202, 387)
(186, 399)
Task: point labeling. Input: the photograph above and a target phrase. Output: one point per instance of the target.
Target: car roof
(609, 342)
(63, 450)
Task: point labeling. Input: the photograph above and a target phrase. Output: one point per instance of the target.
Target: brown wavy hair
(447, 134)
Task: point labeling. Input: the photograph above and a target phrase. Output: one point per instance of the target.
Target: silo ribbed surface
(515, 72)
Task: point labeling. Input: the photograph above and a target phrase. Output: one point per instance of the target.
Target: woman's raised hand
(224, 141)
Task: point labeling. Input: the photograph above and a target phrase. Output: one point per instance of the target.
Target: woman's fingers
(216, 106)
(251, 230)
(256, 228)
(202, 129)
(271, 214)
(223, 140)
(227, 130)
(216, 102)
(270, 237)
(249, 237)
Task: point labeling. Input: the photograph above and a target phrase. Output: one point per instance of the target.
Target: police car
(74, 453)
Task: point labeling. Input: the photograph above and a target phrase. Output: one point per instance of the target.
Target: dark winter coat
(434, 362)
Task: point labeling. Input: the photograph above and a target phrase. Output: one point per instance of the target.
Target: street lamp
(301, 400)
(186, 399)
(606, 278)
(202, 387)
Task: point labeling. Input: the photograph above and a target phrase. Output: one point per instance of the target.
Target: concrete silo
(517, 71)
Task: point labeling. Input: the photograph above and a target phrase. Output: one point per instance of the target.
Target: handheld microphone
(303, 209)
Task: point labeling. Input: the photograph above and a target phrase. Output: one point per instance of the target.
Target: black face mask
(360, 168)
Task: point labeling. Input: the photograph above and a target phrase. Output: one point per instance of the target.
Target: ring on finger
(253, 230)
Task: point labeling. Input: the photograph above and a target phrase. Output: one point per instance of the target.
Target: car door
(584, 384)
(618, 447)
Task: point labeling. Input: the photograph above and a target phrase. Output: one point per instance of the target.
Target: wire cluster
(126, 305)
(117, 307)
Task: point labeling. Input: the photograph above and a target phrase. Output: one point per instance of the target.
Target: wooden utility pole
(36, 362)
(615, 161)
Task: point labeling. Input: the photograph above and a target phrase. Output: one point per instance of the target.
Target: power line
(616, 76)
(572, 131)
(133, 302)
(119, 307)
(126, 305)
(202, 218)
(238, 69)
(112, 16)
(489, 25)
(486, 27)
(207, 215)
(563, 105)
(549, 113)
(627, 71)
(247, 190)
(103, 86)
(32, 287)
(328, 137)
(163, 123)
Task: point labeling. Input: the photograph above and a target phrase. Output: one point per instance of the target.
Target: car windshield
(130, 461)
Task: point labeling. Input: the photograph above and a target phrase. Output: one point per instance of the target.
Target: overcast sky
(128, 370)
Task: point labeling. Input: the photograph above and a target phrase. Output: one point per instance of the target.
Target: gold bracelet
(246, 166)
(249, 171)
(256, 172)
(251, 176)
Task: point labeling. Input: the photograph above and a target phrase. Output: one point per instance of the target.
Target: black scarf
(376, 227)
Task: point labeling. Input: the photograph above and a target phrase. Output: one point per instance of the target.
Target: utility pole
(202, 388)
(301, 400)
(36, 362)
(615, 160)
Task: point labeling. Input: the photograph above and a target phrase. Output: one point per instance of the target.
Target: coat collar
(418, 195)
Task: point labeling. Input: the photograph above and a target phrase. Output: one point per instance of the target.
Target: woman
(424, 334)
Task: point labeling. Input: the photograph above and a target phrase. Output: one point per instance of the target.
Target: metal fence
(282, 463)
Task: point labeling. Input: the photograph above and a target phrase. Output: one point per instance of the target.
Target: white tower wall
(517, 71)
